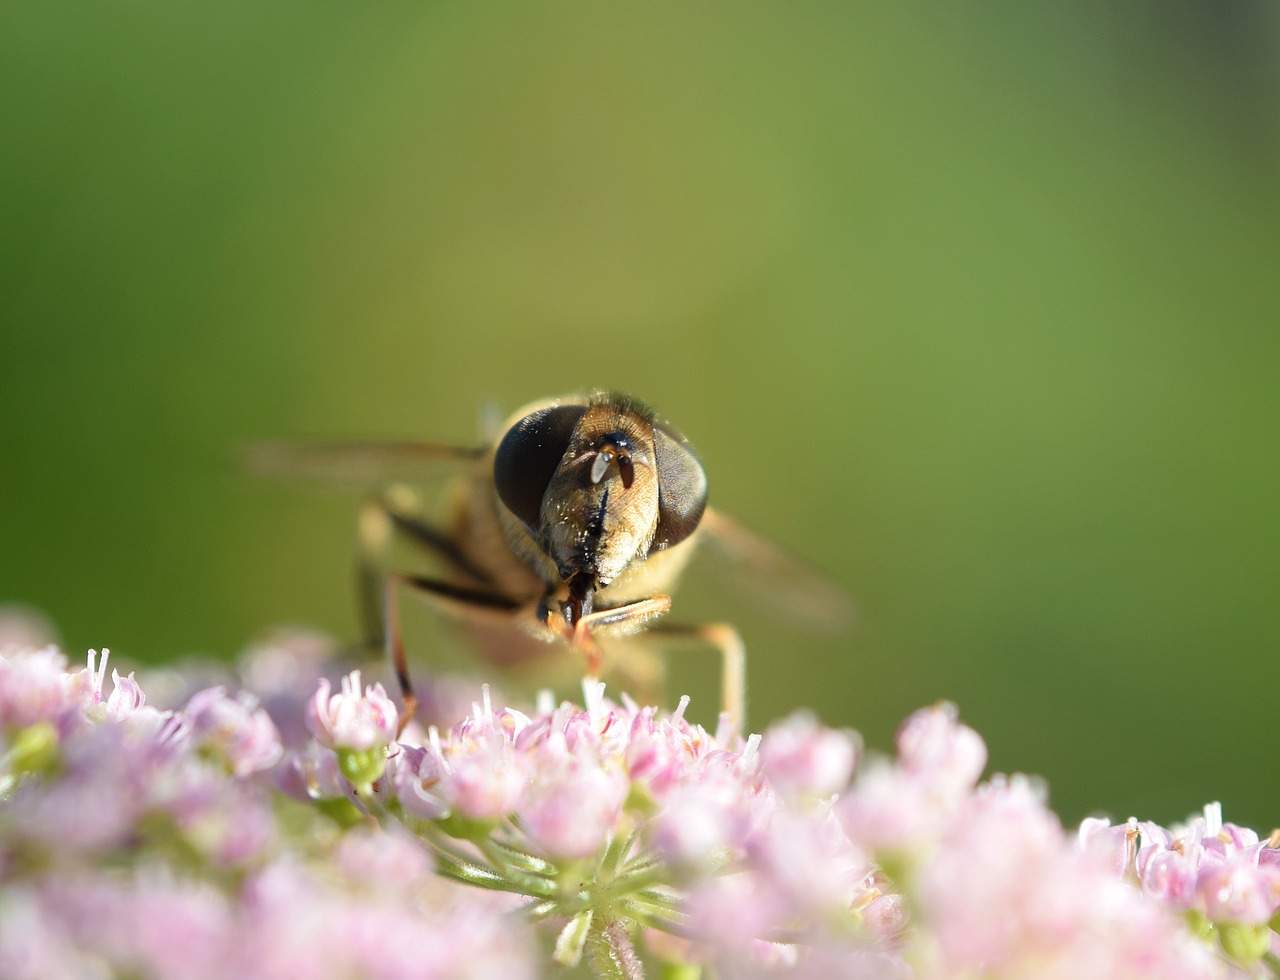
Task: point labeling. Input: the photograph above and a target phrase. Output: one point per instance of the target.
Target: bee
(569, 531)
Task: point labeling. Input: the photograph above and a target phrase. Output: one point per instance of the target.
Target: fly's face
(599, 487)
(600, 509)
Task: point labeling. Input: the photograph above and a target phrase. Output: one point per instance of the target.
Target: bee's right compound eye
(682, 489)
(527, 458)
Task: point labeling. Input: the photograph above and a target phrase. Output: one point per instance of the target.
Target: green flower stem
(514, 879)
(537, 911)
(483, 877)
(640, 863)
(495, 856)
(656, 900)
(636, 881)
(602, 894)
(524, 860)
(662, 898)
(643, 917)
(616, 954)
(619, 847)
(572, 939)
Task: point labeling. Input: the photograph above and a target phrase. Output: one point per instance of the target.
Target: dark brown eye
(682, 489)
(527, 458)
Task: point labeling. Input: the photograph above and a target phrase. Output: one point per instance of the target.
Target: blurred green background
(975, 307)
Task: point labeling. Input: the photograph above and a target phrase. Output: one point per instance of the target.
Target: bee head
(599, 486)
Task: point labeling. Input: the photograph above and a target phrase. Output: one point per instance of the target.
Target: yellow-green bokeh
(975, 306)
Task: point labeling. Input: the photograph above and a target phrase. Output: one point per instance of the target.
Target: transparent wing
(786, 583)
(358, 463)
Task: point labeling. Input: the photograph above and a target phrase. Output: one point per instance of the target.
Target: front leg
(726, 641)
(580, 633)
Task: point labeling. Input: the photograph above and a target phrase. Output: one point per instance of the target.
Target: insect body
(572, 528)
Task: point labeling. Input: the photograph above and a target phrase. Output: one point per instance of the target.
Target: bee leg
(385, 517)
(733, 662)
(442, 592)
(395, 649)
(633, 614)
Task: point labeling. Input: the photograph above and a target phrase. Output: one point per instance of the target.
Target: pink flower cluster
(149, 843)
(197, 842)
(1222, 877)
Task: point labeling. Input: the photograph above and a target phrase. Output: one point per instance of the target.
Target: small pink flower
(34, 687)
(225, 819)
(485, 783)
(731, 915)
(807, 858)
(887, 810)
(311, 775)
(352, 719)
(663, 752)
(802, 758)
(383, 860)
(416, 774)
(126, 695)
(698, 823)
(97, 798)
(1170, 877)
(237, 729)
(1239, 890)
(574, 814)
(1112, 848)
(932, 743)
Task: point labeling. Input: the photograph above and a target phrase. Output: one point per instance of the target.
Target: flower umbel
(142, 842)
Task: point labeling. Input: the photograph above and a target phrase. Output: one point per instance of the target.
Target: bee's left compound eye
(527, 458)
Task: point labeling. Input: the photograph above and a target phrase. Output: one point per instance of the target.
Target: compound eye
(682, 489)
(527, 458)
